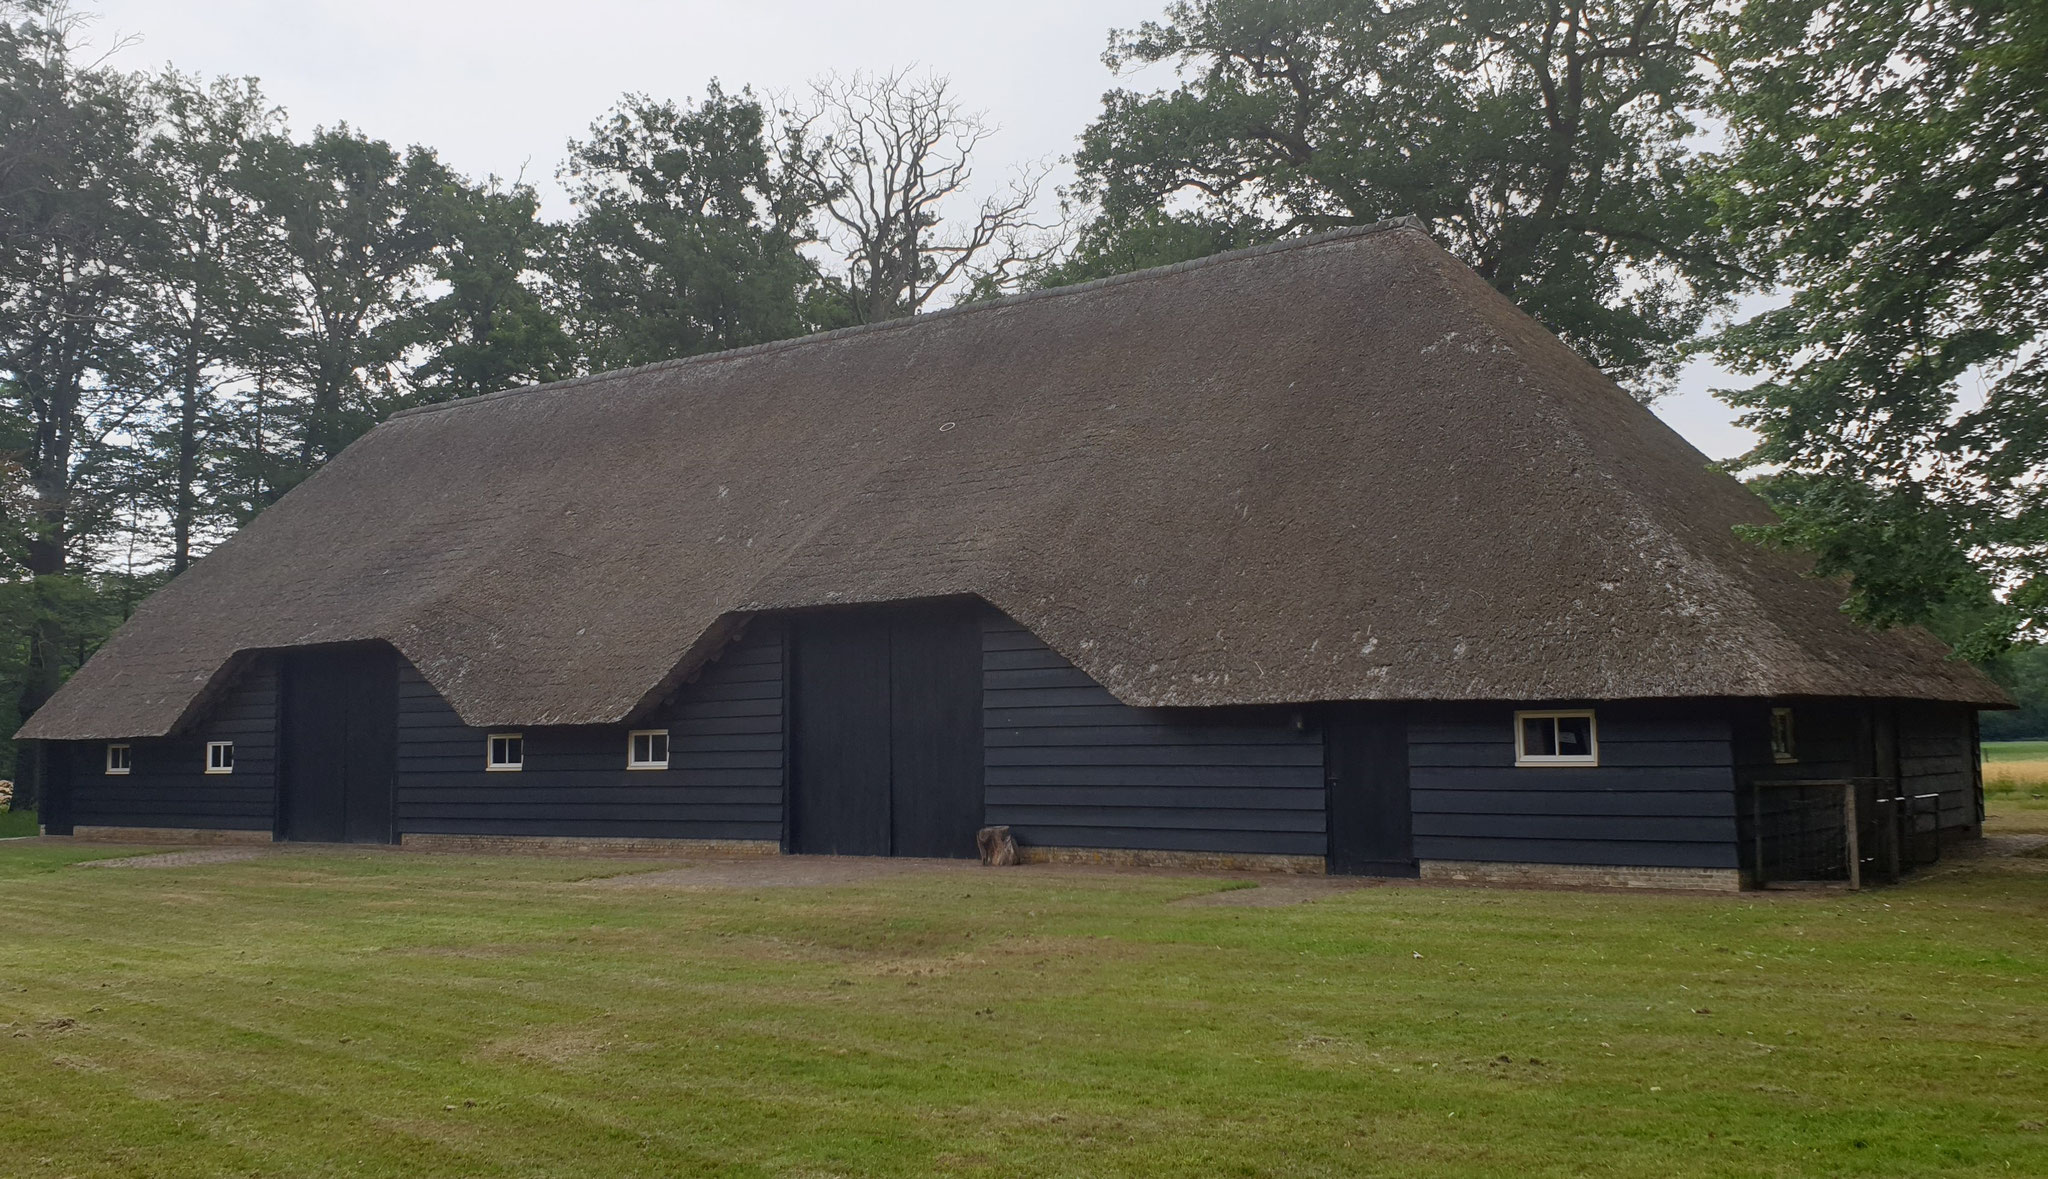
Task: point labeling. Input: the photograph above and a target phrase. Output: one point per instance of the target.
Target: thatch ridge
(1007, 301)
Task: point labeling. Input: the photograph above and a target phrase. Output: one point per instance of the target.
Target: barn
(1314, 557)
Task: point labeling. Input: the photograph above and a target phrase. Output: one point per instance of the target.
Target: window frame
(633, 761)
(1786, 752)
(1525, 758)
(211, 766)
(128, 762)
(491, 762)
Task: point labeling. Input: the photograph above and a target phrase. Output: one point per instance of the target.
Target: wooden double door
(887, 731)
(338, 769)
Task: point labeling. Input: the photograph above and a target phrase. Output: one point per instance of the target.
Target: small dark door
(339, 766)
(1370, 821)
(887, 705)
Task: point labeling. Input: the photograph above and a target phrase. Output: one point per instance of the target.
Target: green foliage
(493, 327)
(1141, 239)
(356, 223)
(2024, 671)
(1545, 145)
(688, 236)
(1889, 159)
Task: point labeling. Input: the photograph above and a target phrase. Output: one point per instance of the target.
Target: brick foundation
(196, 835)
(1581, 875)
(577, 845)
(1189, 860)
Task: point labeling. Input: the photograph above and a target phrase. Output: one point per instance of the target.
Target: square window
(220, 757)
(1783, 750)
(505, 751)
(647, 749)
(118, 759)
(1556, 739)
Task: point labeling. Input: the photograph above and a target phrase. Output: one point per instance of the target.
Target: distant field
(13, 823)
(2017, 771)
(2015, 751)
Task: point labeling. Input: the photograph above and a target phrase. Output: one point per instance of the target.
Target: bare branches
(884, 159)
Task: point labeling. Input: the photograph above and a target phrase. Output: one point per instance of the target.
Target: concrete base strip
(1582, 875)
(200, 835)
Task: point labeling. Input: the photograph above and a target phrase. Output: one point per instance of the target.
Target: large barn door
(887, 731)
(935, 730)
(839, 798)
(339, 761)
(1371, 824)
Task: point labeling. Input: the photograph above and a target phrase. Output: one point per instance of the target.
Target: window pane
(657, 748)
(1575, 736)
(1539, 736)
(515, 750)
(639, 747)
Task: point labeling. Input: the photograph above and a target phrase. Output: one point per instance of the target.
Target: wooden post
(1849, 822)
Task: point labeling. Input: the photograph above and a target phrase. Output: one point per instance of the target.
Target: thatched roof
(1336, 468)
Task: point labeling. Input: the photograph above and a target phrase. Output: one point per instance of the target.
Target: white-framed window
(1567, 737)
(220, 757)
(1784, 749)
(647, 749)
(505, 751)
(120, 759)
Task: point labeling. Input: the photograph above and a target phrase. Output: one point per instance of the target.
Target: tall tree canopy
(1889, 159)
(688, 239)
(1543, 143)
(492, 326)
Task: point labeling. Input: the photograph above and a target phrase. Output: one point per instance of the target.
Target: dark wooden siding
(724, 779)
(1069, 766)
(1663, 794)
(1938, 755)
(169, 785)
(1931, 748)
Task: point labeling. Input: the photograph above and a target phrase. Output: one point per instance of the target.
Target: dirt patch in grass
(197, 858)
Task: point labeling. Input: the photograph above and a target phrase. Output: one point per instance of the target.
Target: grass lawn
(327, 1012)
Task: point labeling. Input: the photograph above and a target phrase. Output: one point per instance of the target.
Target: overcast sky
(498, 86)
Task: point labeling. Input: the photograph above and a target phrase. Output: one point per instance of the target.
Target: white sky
(499, 86)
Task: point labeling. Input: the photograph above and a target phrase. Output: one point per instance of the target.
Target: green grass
(372, 1013)
(17, 823)
(1997, 751)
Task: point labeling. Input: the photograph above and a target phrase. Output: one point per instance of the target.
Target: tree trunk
(188, 460)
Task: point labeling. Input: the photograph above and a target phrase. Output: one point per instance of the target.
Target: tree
(492, 327)
(1890, 160)
(1545, 144)
(882, 157)
(688, 239)
(354, 221)
(213, 279)
(69, 142)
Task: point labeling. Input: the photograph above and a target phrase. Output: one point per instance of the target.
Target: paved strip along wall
(1068, 767)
